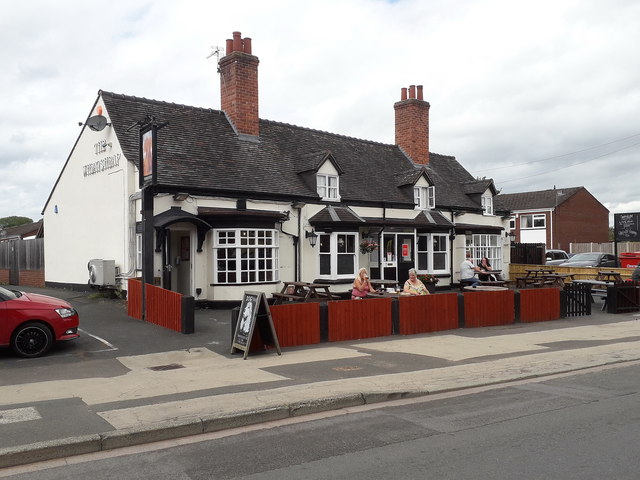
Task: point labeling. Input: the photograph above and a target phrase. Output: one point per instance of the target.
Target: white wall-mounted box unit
(102, 272)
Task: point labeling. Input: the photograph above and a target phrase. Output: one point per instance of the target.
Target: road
(575, 426)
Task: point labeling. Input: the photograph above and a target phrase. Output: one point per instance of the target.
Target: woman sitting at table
(413, 286)
(485, 267)
(361, 285)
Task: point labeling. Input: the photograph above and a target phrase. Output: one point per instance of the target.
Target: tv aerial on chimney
(214, 51)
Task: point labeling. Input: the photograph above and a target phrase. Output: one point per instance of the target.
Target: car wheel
(31, 339)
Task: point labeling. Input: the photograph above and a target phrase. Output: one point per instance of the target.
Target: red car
(30, 323)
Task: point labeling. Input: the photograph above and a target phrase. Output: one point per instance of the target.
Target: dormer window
(487, 203)
(424, 197)
(328, 186)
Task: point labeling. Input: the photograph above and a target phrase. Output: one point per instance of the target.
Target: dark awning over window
(486, 229)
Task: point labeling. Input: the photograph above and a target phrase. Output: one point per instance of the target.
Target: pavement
(126, 382)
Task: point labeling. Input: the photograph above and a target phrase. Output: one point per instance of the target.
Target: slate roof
(199, 152)
(541, 199)
(21, 231)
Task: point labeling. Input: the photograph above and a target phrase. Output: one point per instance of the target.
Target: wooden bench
(282, 297)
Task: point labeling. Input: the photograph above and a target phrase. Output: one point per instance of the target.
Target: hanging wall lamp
(313, 238)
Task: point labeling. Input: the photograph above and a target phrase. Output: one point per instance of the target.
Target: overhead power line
(568, 154)
(572, 165)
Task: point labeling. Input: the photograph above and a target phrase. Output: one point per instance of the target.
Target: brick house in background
(556, 217)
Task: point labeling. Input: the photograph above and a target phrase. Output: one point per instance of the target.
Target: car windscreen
(585, 257)
(7, 294)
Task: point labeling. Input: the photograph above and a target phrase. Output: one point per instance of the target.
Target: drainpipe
(451, 240)
(380, 243)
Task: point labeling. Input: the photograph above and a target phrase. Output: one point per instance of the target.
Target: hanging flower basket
(428, 278)
(368, 247)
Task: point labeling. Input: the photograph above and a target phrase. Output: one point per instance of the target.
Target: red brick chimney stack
(239, 85)
(412, 124)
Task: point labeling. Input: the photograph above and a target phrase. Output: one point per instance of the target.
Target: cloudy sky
(531, 94)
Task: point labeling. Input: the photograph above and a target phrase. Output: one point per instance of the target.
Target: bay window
(485, 245)
(245, 256)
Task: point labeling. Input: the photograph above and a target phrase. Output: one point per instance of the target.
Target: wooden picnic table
(303, 292)
(485, 288)
(609, 276)
(383, 284)
(557, 279)
(539, 272)
(543, 277)
(386, 294)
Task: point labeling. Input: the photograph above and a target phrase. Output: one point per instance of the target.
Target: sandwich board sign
(254, 312)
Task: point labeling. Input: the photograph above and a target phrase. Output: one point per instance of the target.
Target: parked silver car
(556, 257)
(591, 259)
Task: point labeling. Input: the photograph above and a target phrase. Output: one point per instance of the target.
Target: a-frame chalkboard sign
(254, 311)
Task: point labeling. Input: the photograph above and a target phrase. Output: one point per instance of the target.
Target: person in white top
(468, 271)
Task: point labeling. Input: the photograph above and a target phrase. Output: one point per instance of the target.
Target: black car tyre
(31, 339)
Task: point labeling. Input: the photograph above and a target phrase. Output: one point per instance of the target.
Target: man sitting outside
(467, 273)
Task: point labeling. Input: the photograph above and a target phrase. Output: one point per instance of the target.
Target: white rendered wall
(92, 212)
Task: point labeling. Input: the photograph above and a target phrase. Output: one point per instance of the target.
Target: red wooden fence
(297, 324)
(485, 309)
(539, 304)
(355, 319)
(164, 307)
(428, 313)
(134, 298)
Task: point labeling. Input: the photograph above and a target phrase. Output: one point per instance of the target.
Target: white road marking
(18, 415)
(111, 347)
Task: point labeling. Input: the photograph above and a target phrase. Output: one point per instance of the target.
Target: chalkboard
(627, 227)
(254, 311)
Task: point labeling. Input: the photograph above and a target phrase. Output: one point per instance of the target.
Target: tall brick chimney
(412, 124)
(239, 85)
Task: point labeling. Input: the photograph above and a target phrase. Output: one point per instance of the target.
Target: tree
(14, 221)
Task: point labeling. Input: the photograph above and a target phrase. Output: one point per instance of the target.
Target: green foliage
(14, 221)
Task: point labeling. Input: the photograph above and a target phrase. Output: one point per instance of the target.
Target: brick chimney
(239, 85)
(412, 124)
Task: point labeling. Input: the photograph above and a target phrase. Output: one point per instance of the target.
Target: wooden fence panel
(428, 313)
(539, 304)
(355, 319)
(134, 298)
(164, 307)
(485, 309)
(623, 297)
(575, 300)
(297, 324)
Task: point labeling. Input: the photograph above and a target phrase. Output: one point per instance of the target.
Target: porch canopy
(176, 215)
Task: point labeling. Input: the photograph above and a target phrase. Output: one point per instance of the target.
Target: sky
(531, 94)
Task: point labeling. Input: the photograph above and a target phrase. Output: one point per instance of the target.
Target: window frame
(534, 217)
(138, 265)
(424, 197)
(485, 245)
(333, 255)
(249, 253)
(327, 188)
(487, 203)
(430, 253)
